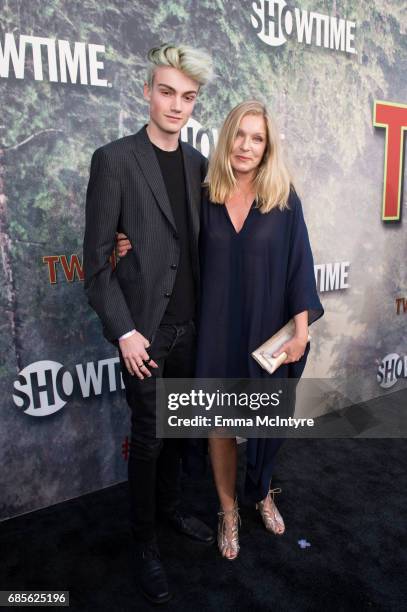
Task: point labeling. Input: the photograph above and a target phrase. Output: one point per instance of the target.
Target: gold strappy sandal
(223, 542)
(272, 519)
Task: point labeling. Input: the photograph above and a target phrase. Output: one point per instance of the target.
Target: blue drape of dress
(252, 282)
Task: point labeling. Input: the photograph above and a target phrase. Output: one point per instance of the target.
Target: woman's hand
(295, 349)
(122, 244)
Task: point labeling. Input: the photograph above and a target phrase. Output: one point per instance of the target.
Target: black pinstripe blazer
(126, 192)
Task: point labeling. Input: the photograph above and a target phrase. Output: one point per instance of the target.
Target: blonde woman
(256, 273)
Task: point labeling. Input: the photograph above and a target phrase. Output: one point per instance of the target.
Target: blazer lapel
(150, 168)
(193, 190)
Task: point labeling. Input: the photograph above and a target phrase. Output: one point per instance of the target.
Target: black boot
(188, 525)
(151, 575)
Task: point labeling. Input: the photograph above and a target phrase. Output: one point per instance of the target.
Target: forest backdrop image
(322, 99)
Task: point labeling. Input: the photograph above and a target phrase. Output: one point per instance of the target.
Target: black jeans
(154, 464)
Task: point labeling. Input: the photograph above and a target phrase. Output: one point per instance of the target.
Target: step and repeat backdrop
(333, 73)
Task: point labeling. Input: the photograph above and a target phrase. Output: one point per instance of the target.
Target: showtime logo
(391, 369)
(62, 63)
(274, 22)
(203, 139)
(332, 276)
(44, 387)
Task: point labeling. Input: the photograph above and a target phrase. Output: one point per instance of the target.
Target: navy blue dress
(252, 283)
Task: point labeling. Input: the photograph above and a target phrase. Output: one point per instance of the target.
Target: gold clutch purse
(264, 354)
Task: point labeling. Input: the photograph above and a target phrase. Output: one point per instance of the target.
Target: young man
(148, 186)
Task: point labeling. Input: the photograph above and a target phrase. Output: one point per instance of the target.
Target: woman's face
(250, 144)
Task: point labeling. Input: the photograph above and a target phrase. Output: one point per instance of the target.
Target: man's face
(172, 98)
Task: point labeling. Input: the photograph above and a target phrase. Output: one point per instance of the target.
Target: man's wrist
(127, 335)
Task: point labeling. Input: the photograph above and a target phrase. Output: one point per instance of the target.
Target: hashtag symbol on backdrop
(126, 448)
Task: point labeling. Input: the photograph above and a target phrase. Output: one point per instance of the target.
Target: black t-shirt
(181, 305)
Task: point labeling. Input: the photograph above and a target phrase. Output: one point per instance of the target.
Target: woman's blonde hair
(272, 181)
(195, 63)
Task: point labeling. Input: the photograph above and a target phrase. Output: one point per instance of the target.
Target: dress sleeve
(301, 287)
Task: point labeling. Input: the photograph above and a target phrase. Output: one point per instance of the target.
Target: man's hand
(295, 349)
(122, 244)
(134, 354)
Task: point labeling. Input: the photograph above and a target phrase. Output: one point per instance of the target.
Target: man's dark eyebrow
(193, 91)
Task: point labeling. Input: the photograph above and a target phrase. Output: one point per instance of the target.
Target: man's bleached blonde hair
(272, 180)
(194, 63)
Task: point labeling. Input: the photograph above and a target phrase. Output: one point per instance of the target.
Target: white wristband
(128, 334)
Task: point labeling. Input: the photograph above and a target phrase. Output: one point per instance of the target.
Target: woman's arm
(295, 348)
(301, 325)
